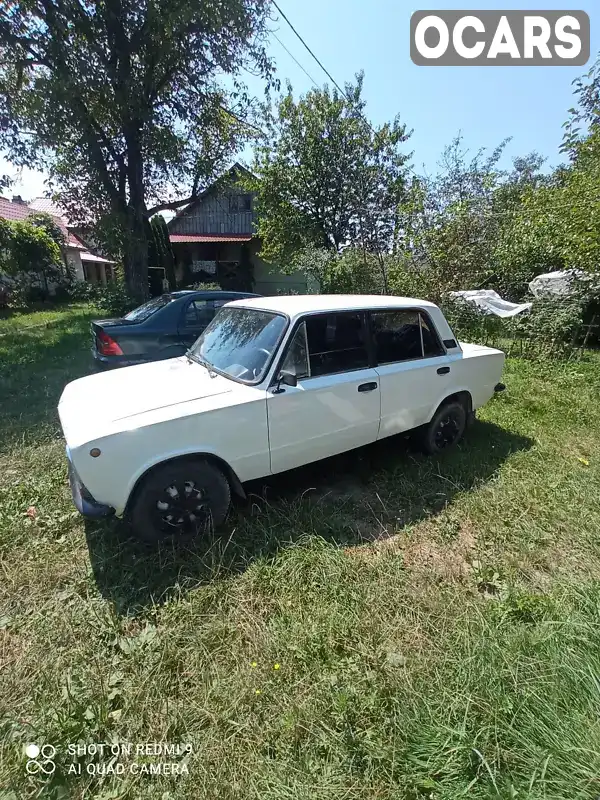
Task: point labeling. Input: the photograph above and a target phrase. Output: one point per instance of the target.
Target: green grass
(13, 320)
(435, 622)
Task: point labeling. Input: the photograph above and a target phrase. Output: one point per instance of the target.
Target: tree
(32, 250)
(47, 223)
(325, 177)
(457, 228)
(160, 249)
(119, 101)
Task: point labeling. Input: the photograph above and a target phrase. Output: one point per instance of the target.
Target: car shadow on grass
(350, 499)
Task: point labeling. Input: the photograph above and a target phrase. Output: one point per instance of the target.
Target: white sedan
(272, 383)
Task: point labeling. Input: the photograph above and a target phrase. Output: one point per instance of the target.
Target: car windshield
(240, 342)
(151, 307)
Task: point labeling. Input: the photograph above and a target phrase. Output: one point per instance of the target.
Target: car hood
(99, 401)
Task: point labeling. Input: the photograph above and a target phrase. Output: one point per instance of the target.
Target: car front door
(335, 405)
(412, 367)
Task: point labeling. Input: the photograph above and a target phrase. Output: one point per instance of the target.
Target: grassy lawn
(12, 320)
(380, 625)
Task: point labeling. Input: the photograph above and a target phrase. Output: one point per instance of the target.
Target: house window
(240, 202)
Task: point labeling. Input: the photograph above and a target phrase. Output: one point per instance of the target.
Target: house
(214, 239)
(91, 266)
(85, 265)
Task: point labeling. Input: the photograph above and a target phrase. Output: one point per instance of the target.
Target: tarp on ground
(490, 302)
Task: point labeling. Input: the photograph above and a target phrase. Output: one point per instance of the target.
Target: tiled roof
(74, 241)
(98, 259)
(48, 207)
(16, 212)
(193, 237)
(13, 211)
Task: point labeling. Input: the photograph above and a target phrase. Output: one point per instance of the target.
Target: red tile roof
(48, 207)
(16, 212)
(74, 241)
(193, 237)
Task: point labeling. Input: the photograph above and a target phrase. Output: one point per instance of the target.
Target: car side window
(336, 342)
(199, 312)
(403, 336)
(431, 344)
(296, 360)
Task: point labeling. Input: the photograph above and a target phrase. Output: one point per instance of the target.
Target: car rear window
(151, 307)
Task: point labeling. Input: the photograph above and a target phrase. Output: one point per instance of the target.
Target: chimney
(19, 200)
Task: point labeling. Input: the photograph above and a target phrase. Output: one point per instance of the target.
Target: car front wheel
(180, 500)
(446, 428)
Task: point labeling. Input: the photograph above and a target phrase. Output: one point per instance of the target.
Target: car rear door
(336, 404)
(412, 367)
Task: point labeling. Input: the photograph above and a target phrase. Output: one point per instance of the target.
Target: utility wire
(293, 57)
(329, 75)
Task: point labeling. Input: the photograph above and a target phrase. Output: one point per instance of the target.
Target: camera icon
(40, 759)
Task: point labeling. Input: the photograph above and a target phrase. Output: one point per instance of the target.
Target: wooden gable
(224, 209)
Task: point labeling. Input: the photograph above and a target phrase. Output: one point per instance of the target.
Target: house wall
(268, 280)
(73, 257)
(211, 214)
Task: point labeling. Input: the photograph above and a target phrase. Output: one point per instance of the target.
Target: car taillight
(107, 345)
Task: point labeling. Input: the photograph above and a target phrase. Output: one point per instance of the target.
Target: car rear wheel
(446, 428)
(180, 501)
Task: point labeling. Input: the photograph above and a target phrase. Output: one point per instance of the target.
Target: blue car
(164, 327)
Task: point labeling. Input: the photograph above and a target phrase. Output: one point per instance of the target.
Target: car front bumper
(83, 500)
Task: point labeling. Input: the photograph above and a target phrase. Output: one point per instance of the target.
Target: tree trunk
(136, 244)
(136, 261)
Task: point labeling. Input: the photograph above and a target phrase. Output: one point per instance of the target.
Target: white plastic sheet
(490, 302)
(554, 284)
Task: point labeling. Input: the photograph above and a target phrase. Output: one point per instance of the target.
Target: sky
(486, 104)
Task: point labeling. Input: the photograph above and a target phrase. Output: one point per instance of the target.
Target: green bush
(208, 286)
(112, 298)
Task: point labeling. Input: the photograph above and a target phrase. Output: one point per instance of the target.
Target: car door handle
(367, 387)
(443, 370)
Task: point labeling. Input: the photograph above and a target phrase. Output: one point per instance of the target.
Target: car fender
(210, 453)
(449, 391)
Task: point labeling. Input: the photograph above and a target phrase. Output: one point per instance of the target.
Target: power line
(291, 55)
(329, 75)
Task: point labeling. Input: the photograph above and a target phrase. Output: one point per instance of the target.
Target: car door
(194, 318)
(412, 367)
(335, 405)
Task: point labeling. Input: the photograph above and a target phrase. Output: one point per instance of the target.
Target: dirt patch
(446, 560)
(423, 553)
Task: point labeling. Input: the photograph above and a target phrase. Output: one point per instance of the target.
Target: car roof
(294, 305)
(210, 293)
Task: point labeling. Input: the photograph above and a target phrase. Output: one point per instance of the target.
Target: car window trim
(432, 326)
(365, 327)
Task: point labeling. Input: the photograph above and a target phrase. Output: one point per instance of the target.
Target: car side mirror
(285, 378)
(288, 378)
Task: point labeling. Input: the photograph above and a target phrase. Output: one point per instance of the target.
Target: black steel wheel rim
(447, 430)
(183, 507)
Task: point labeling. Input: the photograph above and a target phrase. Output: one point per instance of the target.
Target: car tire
(447, 427)
(180, 501)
